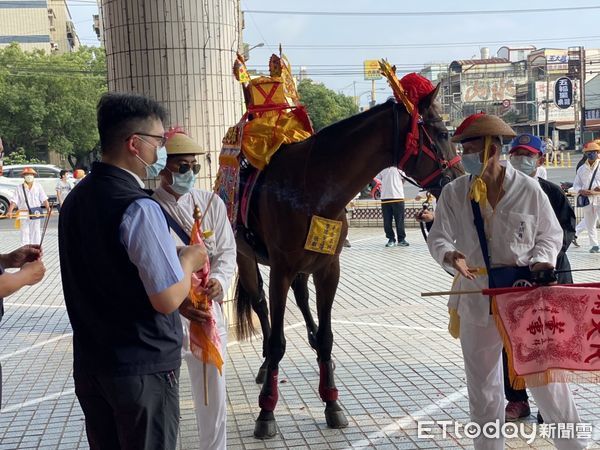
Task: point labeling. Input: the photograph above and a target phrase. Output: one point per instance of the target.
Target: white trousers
(211, 419)
(591, 214)
(482, 353)
(30, 231)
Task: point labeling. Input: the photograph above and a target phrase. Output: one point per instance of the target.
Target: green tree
(325, 106)
(49, 101)
(19, 157)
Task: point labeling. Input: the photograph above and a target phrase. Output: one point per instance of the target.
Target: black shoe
(347, 243)
(390, 243)
(540, 419)
(575, 243)
(402, 243)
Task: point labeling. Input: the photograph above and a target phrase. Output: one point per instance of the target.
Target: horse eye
(444, 135)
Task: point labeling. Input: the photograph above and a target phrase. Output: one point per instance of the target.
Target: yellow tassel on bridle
(478, 190)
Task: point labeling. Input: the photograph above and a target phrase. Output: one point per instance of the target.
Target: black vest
(116, 331)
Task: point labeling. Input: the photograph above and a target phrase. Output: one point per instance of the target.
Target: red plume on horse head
(416, 87)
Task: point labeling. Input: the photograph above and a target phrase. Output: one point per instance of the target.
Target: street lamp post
(372, 92)
(247, 49)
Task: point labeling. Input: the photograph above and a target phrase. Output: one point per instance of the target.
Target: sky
(409, 42)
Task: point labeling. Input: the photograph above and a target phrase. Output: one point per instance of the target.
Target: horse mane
(354, 120)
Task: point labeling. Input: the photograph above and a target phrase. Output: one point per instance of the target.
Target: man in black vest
(123, 281)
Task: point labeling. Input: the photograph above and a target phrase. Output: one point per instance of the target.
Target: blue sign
(563, 93)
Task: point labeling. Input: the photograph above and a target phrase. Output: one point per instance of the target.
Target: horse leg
(279, 285)
(300, 288)
(250, 293)
(326, 281)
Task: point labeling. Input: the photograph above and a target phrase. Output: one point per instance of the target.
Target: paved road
(396, 362)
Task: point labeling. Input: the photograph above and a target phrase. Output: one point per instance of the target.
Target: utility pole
(547, 102)
(372, 94)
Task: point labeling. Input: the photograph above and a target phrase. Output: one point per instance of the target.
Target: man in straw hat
(28, 198)
(587, 184)
(178, 196)
(517, 226)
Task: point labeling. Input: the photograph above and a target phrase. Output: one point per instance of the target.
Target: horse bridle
(430, 149)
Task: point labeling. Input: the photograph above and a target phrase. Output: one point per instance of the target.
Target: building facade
(38, 25)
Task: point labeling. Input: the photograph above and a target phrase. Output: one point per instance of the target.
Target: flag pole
(198, 218)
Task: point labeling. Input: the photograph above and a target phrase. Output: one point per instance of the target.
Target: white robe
(211, 420)
(522, 231)
(591, 213)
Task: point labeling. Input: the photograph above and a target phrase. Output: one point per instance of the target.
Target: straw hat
(28, 171)
(591, 147)
(480, 125)
(181, 144)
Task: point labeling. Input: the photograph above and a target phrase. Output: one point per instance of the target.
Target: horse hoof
(336, 419)
(262, 375)
(265, 429)
(312, 340)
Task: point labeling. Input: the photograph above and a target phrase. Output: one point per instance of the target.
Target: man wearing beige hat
(28, 198)
(587, 187)
(178, 196)
(498, 221)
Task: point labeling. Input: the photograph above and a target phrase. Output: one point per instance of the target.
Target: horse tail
(243, 308)
(245, 302)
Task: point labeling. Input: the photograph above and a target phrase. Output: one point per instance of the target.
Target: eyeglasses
(185, 167)
(162, 139)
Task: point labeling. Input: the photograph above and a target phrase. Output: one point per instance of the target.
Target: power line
(423, 13)
(433, 44)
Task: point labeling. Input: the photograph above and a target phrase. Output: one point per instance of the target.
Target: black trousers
(394, 210)
(512, 395)
(139, 412)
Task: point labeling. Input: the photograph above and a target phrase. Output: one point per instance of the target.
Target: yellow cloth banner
(323, 235)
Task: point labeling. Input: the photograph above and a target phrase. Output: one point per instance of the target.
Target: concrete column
(179, 52)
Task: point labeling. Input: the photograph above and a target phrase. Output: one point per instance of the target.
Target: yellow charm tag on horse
(323, 235)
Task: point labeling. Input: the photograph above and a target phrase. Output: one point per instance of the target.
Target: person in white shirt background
(177, 195)
(27, 196)
(585, 185)
(392, 205)
(63, 187)
(521, 230)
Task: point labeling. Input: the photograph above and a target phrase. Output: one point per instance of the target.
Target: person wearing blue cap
(527, 155)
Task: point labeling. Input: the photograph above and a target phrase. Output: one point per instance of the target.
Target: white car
(47, 176)
(6, 193)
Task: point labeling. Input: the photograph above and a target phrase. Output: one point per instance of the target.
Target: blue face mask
(524, 164)
(472, 164)
(183, 183)
(592, 156)
(152, 170)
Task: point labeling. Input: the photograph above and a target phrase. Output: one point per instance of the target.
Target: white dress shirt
(220, 246)
(521, 232)
(583, 178)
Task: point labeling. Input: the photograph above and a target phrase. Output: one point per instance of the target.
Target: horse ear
(427, 101)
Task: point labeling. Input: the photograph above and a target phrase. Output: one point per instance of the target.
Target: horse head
(433, 163)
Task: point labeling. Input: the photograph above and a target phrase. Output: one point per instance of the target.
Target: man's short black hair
(63, 173)
(120, 115)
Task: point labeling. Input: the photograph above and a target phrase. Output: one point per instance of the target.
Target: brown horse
(320, 176)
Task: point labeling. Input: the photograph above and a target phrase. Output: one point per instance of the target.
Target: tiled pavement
(395, 362)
